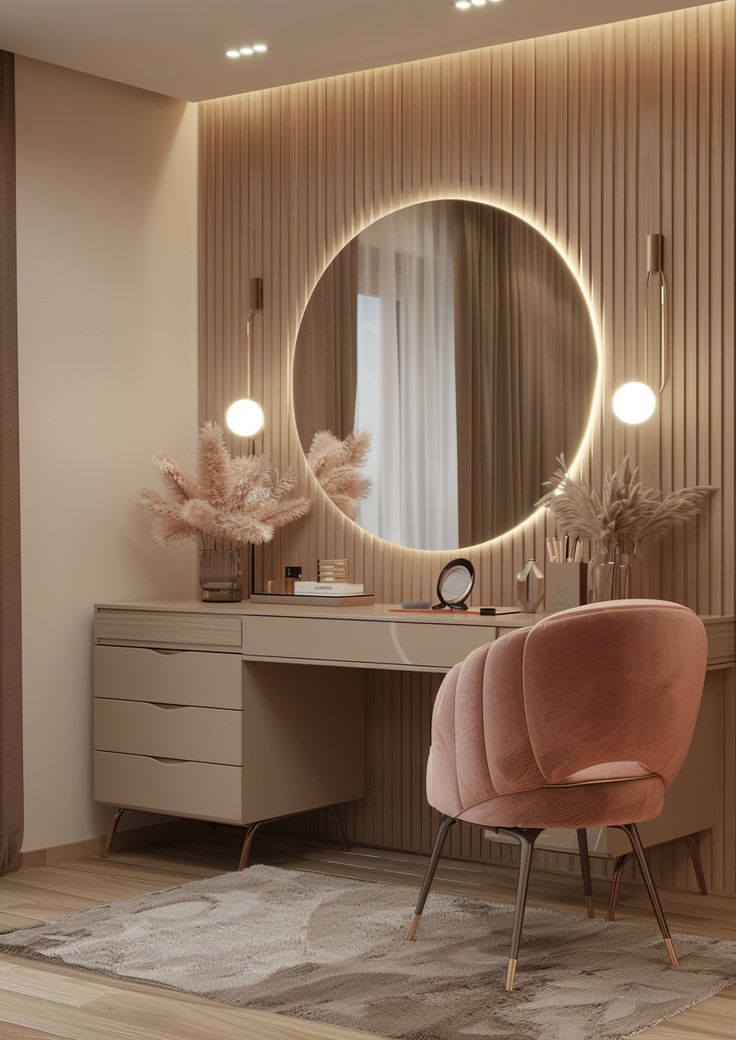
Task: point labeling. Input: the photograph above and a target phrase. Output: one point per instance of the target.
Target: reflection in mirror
(454, 337)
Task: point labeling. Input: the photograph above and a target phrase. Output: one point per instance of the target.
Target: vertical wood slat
(598, 136)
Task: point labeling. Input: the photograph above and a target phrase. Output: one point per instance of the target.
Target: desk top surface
(375, 612)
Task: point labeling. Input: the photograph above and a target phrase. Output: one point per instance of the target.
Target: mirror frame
(595, 405)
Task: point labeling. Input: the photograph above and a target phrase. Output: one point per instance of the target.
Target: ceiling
(177, 47)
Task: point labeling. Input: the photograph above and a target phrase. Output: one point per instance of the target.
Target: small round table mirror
(455, 584)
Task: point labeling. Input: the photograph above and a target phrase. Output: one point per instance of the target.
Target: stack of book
(342, 593)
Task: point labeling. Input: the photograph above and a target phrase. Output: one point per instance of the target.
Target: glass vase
(220, 575)
(609, 574)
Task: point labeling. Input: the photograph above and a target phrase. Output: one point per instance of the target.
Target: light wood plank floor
(38, 1001)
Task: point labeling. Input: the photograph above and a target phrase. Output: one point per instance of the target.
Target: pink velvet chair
(582, 721)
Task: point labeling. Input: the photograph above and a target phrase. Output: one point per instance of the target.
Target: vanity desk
(242, 713)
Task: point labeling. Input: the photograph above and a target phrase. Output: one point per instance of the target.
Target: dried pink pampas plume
(228, 499)
(337, 466)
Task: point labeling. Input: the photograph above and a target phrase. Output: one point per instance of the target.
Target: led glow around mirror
(451, 339)
(634, 403)
(245, 418)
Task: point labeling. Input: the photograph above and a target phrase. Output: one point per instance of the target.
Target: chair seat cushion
(606, 771)
(600, 803)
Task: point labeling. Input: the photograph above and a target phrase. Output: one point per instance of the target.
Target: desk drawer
(168, 677)
(162, 628)
(387, 643)
(198, 789)
(168, 731)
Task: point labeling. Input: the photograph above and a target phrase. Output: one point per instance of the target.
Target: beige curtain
(325, 360)
(11, 751)
(525, 367)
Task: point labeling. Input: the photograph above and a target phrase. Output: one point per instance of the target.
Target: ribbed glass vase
(220, 575)
(609, 573)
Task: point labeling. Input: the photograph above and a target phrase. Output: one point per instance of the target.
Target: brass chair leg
(248, 842)
(694, 849)
(445, 824)
(111, 833)
(339, 819)
(633, 835)
(526, 838)
(616, 880)
(585, 867)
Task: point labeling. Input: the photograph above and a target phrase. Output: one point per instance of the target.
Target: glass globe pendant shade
(245, 418)
(634, 403)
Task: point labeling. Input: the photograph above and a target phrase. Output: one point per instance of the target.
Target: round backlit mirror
(455, 584)
(445, 358)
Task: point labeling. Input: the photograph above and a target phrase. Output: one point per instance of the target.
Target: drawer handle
(165, 761)
(159, 650)
(168, 707)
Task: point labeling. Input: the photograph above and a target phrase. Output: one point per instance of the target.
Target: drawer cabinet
(192, 789)
(168, 677)
(169, 731)
(200, 733)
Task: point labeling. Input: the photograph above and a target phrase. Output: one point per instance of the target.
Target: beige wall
(107, 240)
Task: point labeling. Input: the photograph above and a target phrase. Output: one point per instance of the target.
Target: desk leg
(694, 849)
(337, 816)
(690, 840)
(248, 842)
(618, 870)
(111, 833)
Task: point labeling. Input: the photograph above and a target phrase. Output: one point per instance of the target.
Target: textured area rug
(331, 949)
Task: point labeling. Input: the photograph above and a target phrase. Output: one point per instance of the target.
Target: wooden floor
(40, 1001)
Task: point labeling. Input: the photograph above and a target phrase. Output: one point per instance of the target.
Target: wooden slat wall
(598, 136)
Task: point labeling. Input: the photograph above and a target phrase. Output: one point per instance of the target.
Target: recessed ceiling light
(248, 50)
(478, 3)
(462, 5)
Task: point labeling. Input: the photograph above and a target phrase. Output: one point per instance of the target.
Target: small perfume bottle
(291, 575)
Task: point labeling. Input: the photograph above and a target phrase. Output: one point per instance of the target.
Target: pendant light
(245, 416)
(634, 402)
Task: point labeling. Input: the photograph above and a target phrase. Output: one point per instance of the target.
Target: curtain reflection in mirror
(406, 384)
(524, 366)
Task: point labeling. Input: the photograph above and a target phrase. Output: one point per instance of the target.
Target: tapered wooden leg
(618, 871)
(694, 849)
(111, 833)
(633, 835)
(585, 867)
(526, 839)
(337, 816)
(247, 843)
(445, 824)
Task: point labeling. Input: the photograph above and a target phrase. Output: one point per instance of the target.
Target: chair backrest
(616, 682)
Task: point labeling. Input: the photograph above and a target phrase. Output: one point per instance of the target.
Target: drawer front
(168, 731)
(161, 628)
(397, 644)
(182, 677)
(441, 646)
(192, 789)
